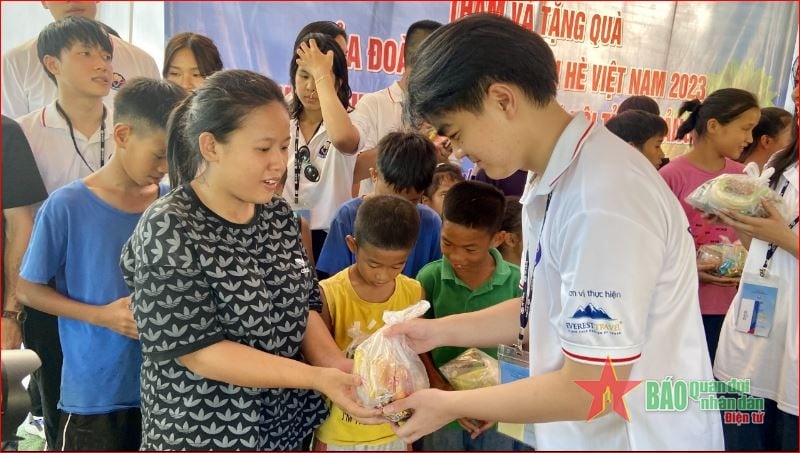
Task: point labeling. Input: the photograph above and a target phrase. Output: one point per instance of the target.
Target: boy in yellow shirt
(354, 299)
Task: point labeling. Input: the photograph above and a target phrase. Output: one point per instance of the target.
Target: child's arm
(116, 315)
(326, 312)
(319, 347)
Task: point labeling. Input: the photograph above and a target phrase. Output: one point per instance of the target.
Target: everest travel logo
(591, 319)
(592, 312)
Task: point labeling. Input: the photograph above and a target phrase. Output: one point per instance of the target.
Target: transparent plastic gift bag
(389, 369)
(742, 193)
(472, 369)
(726, 257)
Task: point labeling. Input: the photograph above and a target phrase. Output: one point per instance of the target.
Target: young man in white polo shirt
(26, 86)
(381, 112)
(70, 139)
(610, 266)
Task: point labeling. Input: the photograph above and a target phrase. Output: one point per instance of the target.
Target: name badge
(304, 213)
(755, 308)
(514, 365)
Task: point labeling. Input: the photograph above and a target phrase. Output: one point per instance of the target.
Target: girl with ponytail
(721, 127)
(222, 294)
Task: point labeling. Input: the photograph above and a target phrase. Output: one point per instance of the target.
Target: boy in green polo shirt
(471, 276)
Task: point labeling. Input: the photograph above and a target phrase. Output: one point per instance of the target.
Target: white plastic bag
(389, 369)
(742, 193)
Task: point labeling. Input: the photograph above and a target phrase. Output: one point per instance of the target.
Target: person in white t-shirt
(25, 85)
(769, 361)
(70, 138)
(381, 112)
(323, 139)
(610, 273)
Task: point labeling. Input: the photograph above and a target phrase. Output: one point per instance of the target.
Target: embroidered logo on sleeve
(591, 319)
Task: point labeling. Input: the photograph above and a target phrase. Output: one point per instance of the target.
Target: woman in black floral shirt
(222, 288)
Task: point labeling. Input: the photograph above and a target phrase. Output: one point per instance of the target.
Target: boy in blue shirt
(406, 162)
(77, 239)
(471, 276)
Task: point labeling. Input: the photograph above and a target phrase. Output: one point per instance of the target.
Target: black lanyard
(297, 163)
(527, 287)
(75, 142)
(772, 247)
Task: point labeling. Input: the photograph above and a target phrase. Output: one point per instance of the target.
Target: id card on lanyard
(514, 360)
(755, 308)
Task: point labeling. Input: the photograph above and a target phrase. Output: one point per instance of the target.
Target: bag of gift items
(389, 369)
(742, 193)
(727, 258)
(472, 369)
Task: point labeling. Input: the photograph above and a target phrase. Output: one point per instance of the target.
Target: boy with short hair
(610, 278)
(353, 302)
(77, 239)
(25, 84)
(471, 276)
(406, 161)
(70, 136)
(642, 130)
(444, 176)
(69, 139)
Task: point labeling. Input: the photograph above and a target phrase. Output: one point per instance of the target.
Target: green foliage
(745, 76)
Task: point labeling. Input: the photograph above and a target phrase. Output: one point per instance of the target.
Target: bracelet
(316, 81)
(17, 316)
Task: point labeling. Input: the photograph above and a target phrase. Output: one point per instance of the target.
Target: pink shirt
(683, 177)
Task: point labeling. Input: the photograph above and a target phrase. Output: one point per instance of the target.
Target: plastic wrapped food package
(727, 258)
(742, 193)
(472, 369)
(389, 369)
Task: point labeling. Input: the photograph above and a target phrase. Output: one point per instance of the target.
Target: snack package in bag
(742, 193)
(389, 369)
(472, 369)
(727, 258)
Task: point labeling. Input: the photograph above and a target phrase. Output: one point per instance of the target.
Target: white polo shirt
(617, 278)
(377, 114)
(335, 183)
(26, 86)
(58, 162)
(770, 362)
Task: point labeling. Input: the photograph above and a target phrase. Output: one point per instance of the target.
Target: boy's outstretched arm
(486, 328)
(548, 397)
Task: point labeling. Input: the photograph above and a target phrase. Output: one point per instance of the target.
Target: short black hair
(387, 222)
(442, 173)
(639, 102)
(65, 33)
(637, 126)
(476, 205)
(459, 61)
(147, 102)
(406, 160)
(512, 217)
(416, 33)
(723, 105)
